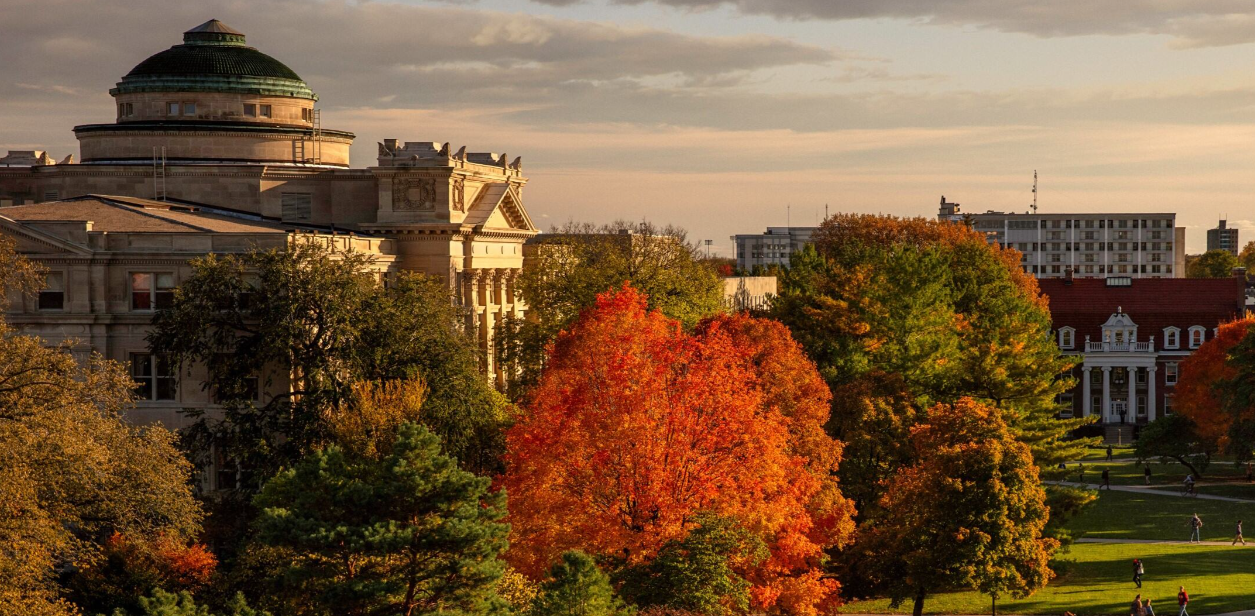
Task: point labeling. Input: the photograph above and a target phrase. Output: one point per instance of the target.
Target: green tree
(1212, 264)
(698, 574)
(578, 261)
(1175, 437)
(324, 318)
(73, 471)
(969, 513)
(406, 533)
(1247, 257)
(576, 587)
(162, 603)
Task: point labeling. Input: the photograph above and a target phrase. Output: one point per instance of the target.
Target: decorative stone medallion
(413, 193)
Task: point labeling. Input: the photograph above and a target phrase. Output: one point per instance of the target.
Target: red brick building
(1133, 334)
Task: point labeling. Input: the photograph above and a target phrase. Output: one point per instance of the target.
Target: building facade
(1130, 341)
(1224, 238)
(1148, 245)
(772, 248)
(217, 125)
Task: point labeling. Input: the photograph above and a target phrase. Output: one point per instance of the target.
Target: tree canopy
(1212, 264)
(576, 262)
(637, 426)
(576, 587)
(1209, 390)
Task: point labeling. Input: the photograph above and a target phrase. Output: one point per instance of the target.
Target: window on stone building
(1141, 406)
(1170, 373)
(51, 195)
(1067, 338)
(172, 109)
(126, 110)
(1167, 404)
(1171, 338)
(264, 111)
(189, 109)
(152, 290)
(52, 296)
(154, 376)
(307, 115)
(250, 110)
(1141, 377)
(296, 206)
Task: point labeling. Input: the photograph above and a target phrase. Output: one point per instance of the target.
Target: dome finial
(213, 32)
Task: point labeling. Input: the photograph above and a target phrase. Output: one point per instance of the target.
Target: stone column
(1087, 403)
(1106, 394)
(1131, 403)
(1150, 392)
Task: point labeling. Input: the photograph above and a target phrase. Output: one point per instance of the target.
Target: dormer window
(1067, 338)
(1119, 329)
(1171, 338)
(1197, 334)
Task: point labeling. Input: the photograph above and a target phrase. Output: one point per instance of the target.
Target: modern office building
(1089, 245)
(1223, 237)
(774, 247)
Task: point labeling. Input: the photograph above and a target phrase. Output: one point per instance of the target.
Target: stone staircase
(1118, 434)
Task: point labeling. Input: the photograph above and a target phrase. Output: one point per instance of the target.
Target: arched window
(1197, 335)
(1171, 337)
(1067, 337)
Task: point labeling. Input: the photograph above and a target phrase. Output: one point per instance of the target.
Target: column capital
(1152, 367)
(1086, 368)
(1106, 368)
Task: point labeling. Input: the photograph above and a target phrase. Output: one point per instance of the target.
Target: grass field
(1232, 490)
(1125, 515)
(1099, 582)
(1128, 473)
(1100, 453)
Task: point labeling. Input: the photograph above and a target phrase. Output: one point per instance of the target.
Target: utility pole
(708, 243)
(1034, 191)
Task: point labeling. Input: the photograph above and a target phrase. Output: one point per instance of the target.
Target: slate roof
(1152, 303)
(131, 215)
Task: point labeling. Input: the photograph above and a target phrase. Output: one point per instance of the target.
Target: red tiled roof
(1152, 303)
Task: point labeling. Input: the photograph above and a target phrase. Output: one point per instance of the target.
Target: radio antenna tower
(1034, 191)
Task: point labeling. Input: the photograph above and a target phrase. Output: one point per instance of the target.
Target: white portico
(1125, 391)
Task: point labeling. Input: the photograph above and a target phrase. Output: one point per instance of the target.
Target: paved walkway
(1151, 489)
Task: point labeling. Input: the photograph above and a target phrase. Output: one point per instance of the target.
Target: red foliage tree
(637, 426)
(1196, 391)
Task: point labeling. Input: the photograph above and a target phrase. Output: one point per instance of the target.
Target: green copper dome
(213, 58)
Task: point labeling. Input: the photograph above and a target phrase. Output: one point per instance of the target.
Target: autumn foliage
(637, 427)
(1200, 372)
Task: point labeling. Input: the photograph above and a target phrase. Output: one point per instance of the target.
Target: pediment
(498, 206)
(29, 240)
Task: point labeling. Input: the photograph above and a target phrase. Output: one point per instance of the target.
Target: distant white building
(771, 248)
(1091, 245)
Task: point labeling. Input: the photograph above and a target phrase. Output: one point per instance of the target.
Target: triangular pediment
(498, 206)
(29, 240)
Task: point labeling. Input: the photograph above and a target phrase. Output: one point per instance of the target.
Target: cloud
(1192, 23)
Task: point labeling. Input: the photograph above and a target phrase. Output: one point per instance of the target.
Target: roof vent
(1119, 281)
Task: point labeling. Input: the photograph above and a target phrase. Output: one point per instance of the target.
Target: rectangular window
(154, 376)
(51, 195)
(126, 110)
(52, 296)
(296, 206)
(1141, 377)
(1167, 404)
(1196, 338)
(1096, 404)
(1065, 400)
(172, 109)
(1141, 406)
(1170, 373)
(250, 110)
(189, 109)
(265, 111)
(152, 290)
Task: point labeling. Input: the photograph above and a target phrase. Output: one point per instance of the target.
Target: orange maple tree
(1196, 391)
(636, 427)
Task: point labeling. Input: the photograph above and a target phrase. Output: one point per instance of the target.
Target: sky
(726, 117)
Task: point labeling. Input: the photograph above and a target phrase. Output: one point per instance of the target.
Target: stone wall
(218, 106)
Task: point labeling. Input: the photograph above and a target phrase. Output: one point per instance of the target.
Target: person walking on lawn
(1137, 572)
(1196, 525)
(1183, 599)
(1238, 536)
(1106, 478)
(1108, 453)
(1147, 473)
(1136, 609)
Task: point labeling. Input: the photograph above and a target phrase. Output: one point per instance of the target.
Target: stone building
(758, 251)
(219, 127)
(1130, 341)
(1223, 237)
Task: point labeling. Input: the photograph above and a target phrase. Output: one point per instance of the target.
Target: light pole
(708, 243)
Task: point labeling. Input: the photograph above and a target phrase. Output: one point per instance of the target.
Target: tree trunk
(994, 603)
(1183, 461)
(919, 604)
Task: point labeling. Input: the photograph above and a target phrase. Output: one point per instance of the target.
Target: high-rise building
(1089, 245)
(771, 248)
(1223, 237)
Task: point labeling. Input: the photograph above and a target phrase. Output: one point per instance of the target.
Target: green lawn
(1234, 490)
(1099, 581)
(1100, 453)
(1129, 473)
(1125, 515)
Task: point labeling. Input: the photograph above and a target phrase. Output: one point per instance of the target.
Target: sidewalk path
(1151, 490)
(1101, 540)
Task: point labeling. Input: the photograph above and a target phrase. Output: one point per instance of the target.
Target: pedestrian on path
(1081, 465)
(1108, 453)
(1136, 609)
(1196, 525)
(1183, 599)
(1147, 473)
(1137, 572)
(1106, 479)
(1150, 611)
(1238, 536)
